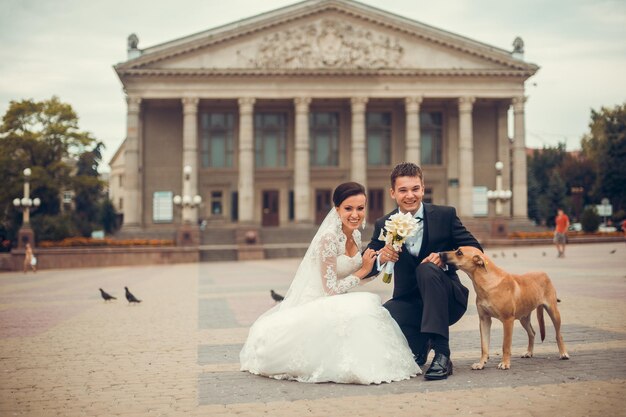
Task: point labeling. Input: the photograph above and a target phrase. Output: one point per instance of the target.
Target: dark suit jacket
(443, 231)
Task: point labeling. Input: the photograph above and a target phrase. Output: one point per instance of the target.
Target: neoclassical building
(271, 112)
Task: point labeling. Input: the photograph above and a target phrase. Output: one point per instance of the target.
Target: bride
(321, 334)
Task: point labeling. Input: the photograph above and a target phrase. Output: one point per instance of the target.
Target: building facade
(270, 113)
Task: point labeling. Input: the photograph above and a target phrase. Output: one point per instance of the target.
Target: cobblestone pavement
(65, 352)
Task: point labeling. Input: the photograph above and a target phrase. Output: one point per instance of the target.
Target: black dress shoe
(440, 368)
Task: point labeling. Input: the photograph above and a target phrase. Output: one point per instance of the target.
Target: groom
(428, 297)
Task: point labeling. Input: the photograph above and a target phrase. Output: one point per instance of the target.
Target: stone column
(504, 152)
(466, 157)
(358, 168)
(246, 160)
(132, 191)
(190, 155)
(302, 177)
(520, 187)
(413, 144)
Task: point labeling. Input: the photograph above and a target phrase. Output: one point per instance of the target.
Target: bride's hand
(369, 258)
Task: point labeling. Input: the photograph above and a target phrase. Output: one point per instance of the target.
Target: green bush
(590, 220)
(53, 227)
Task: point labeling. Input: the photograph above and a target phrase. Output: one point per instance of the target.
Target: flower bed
(89, 242)
(550, 234)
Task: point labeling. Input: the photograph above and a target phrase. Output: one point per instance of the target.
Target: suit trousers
(426, 309)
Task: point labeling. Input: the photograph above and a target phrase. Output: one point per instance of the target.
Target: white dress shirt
(413, 243)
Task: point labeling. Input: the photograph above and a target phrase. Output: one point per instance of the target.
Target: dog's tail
(542, 324)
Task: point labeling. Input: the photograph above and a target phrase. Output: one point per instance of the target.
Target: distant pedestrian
(560, 232)
(30, 261)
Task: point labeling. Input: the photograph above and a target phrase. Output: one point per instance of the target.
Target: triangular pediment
(324, 35)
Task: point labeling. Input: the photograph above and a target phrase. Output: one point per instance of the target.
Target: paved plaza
(65, 352)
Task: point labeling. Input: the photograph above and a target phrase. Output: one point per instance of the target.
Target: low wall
(85, 257)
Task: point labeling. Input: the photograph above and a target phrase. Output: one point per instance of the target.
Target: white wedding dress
(321, 334)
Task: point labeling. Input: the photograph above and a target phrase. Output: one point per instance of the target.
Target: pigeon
(276, 297)
(613, 251)
(494, 256)
(543, 254)
(131, 298)
(515, 254)
(502, 253)
(106, 296)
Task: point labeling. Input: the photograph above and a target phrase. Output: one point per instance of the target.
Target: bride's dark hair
(346, 190)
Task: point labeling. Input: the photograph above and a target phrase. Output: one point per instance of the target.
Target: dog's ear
(479, 261)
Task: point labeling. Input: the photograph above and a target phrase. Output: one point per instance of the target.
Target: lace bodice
(347, 265)
(336, 266)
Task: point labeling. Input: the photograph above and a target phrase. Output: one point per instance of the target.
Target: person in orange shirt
(560, 232)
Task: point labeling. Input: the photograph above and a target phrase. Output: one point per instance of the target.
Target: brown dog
(507, 297)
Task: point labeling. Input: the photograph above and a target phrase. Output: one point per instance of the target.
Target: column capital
(358, 103)
(133, 103)
(413, 103)
(302, 104)
(466, 103)
(518, 103)
(246, 104)
(190, 104)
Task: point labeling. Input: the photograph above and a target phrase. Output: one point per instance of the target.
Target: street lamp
(499, 195)
(188, 233)
(187, 201)
(26, 204)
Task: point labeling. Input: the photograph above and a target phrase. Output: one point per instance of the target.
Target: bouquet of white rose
(397, 229)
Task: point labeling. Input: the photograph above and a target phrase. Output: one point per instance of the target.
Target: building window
(217, 139)
(292, 206)
(120, 205)
(216, 203)
(324, 131)
(234, 206)
(121, 181)
(67, 197)
(431, 137)
(270, 139)
(428, 195)
(378, 138)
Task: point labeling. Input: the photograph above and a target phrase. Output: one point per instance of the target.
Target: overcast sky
(68, 47)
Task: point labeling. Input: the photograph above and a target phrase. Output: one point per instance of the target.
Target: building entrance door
(270, 208)
(322, 205)
(375, 204)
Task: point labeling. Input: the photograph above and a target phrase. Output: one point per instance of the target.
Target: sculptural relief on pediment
(328, 43)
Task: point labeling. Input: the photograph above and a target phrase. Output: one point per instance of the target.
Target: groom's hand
(434, 258)
(387, 254)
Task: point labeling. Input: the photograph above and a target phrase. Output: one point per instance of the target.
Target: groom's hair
(346, 190)
(406, 169)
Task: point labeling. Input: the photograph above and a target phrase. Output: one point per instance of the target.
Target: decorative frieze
(328, 43)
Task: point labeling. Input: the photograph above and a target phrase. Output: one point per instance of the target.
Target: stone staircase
(218, 244)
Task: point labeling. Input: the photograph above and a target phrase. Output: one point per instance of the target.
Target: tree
(87, 185)
(546, 188)
(590, 219)
(44, 135)
(605, 146)
(553, 198)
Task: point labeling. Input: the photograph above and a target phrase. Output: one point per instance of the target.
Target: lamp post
(188, 234)
(499, 195)
(26, 204)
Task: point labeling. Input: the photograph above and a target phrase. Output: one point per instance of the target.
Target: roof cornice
(335, 72)
(309, 8)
